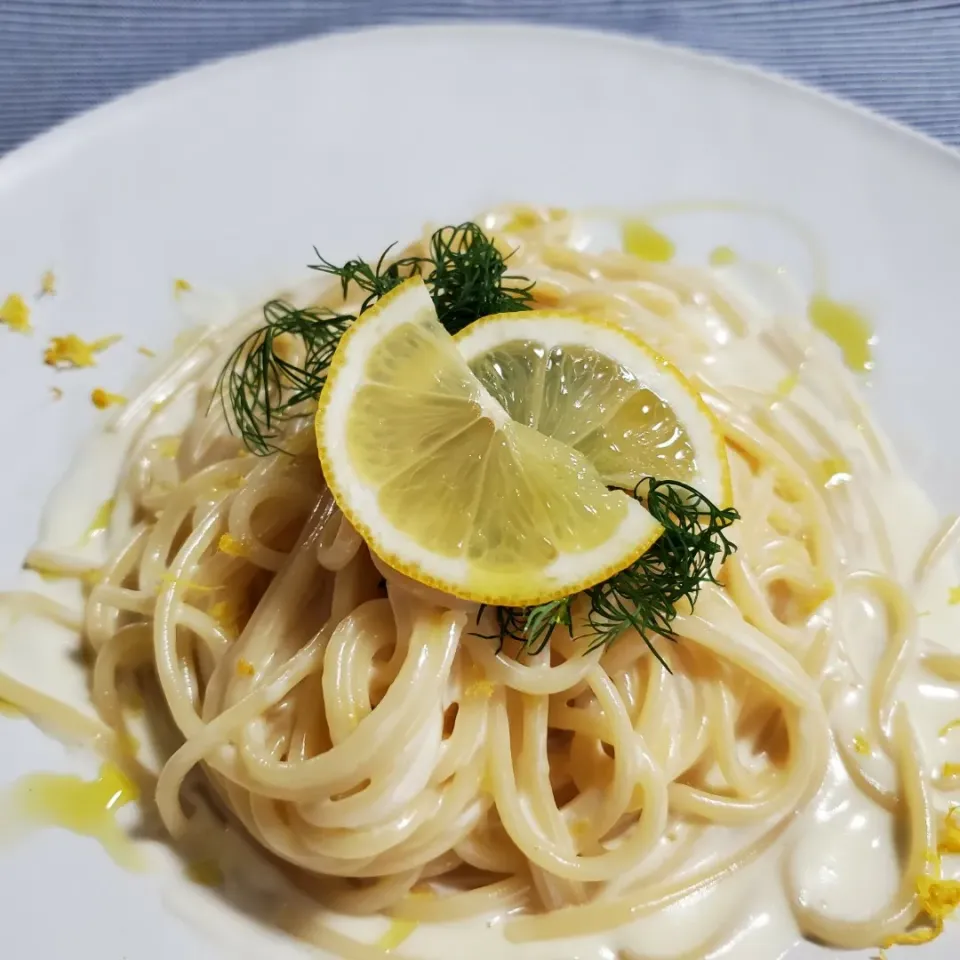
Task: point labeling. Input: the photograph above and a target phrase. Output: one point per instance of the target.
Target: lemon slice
(444, 486)
(598, 388)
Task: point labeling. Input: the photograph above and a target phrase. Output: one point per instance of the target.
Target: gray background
(900, 57)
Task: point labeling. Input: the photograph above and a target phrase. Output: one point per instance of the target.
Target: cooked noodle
(367, 734)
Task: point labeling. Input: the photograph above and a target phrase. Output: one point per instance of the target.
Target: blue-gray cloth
(899, 57)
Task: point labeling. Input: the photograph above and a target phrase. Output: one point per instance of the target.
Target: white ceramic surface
(229, 175)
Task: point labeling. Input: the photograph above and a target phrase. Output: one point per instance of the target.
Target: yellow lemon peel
(72, 351)
(232, 547)
(938, 899)
(15, 313)
(397, 932)
(102, 399)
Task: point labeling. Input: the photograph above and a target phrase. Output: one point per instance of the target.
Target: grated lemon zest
(74, 352)
(950, 841)
(57, 393)
(15, 313)
(950, 770)
(181, 286)
(860, 745)
(232, 547)
(146, 351)
(225, 614)
(102, 399)
(245, 668)
(953, 598)
(48, 284)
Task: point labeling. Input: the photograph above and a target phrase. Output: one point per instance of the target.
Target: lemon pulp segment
(597, 388)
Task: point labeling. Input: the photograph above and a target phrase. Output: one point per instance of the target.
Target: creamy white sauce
(840, 852)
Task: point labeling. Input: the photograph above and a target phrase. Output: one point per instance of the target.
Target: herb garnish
(645, 595)
(467, 278)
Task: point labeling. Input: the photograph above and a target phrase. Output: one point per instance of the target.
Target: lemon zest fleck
(51, 572)
(102, 399)
(950, 770)
(938, 900)
(48, 284)
(57, 393)
(396, 933)
(953, 598)
(15, 313)
(72, 351)
(181, 286)
(646, 242)
(232, 547)
(950, 841)
(146, 351)
(860, 745)
(245, 668)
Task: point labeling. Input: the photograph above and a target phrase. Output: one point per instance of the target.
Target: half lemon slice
(599, 389)
(445, 486)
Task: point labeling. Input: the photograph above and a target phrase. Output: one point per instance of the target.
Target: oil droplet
(646, 242)
(788, 384)
(83, 806)
(101, 520)
(7, 709)
(206, 873)
(397, 932)
(722, 256)
(847, 328)
(834, 471)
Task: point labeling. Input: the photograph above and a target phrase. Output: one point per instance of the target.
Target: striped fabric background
(899, 57)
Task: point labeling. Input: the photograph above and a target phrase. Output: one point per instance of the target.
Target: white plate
(229, 175)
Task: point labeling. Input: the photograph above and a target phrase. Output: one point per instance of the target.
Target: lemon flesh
(445, 486)
(599, 389)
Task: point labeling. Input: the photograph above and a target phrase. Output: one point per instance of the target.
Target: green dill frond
(261, 387)
(467, 278)
(644, 596)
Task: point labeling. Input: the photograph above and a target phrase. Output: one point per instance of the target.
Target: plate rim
(42, 147)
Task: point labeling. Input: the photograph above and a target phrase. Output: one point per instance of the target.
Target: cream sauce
(840, 853)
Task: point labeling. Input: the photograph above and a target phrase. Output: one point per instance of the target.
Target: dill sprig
(262, 387)
(467, 278)
(465, 273)
(645, 595)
